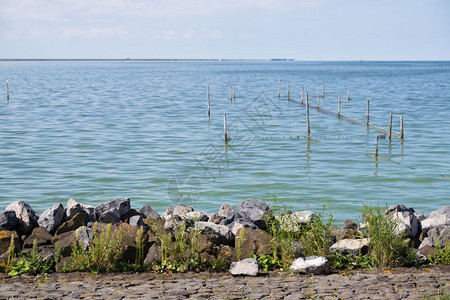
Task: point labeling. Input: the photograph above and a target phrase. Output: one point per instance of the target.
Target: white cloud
(246, 36)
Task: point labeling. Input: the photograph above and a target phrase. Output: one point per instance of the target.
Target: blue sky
(300, 29)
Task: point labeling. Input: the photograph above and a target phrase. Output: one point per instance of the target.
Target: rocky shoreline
(240, 240)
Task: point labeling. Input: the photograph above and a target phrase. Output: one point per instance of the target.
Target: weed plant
(317, 237)
(32, 263)
(386, 244)
(103, 252)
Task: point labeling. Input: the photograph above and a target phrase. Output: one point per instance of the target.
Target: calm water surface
(96, 131)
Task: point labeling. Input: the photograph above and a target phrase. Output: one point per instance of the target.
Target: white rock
(248, 266)
(351, 246)
(311, 265)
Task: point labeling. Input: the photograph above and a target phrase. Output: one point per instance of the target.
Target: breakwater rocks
(246, 239)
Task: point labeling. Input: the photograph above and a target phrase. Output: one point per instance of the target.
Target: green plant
(317, 235)
(32, 263)
(11, 254)
(441, 256)
(386, 244)
(103, 252)
(284, 237)
(139, 246)
(339, 261)
(268, 262)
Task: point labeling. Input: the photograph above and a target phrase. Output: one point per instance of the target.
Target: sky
(253, 29)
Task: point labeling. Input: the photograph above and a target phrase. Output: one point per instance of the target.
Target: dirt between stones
(398, 283)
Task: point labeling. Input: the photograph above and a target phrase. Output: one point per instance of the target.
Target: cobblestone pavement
(401, 283)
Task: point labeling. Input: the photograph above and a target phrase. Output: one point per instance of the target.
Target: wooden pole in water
(289, 90)
(390, 126)
(208, 101)
(301, 98)
(225, 127)
(376, 147)
(318, 100)
(348, 93)
(339, 107)
(367, 122)
(234, 91)
(308, 129)
(401, 128)
(7, 90)
(323, 90)
(279, 88)
(231, 93)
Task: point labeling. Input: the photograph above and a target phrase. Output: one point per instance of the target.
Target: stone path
(402, 283)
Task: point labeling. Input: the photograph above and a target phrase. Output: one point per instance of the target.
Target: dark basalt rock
(8, 220)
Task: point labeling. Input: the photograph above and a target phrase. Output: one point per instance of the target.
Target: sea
(101, 130)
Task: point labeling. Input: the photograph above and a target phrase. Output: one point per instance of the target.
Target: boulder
(73, 208)
(224, 210)
(349, 224)
(136, 221)
(154, 225)
(5, 241)
(407, 222)
(153, 255)
(436, 218)
(52, 218)
(235, 222)
(224, 232)
(255, 210)
(351, 246)
(27, 216)
(74, 223)
(253, 241)
(8, 220)
(112, 211)
(427, 246)
(247, 267)
(197, 216)
(440, 234)
(215, 218)
(44, 250)
(177, 210)
(130, 243)
(42, 237)
(293, 222)
(84, 235)
(420, 216)
(132, 213)
(149, 212)
(65, 242)
(311, 265)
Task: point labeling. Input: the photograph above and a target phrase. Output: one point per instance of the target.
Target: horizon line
(220, 59)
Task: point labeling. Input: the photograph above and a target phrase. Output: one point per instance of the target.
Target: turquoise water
(96, 131)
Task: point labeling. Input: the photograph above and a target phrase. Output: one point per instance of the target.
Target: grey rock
(84, 236)
(436, 218)
(248, 267)
(8, 220)
(440, 233)
(26, 215)
(73, 208)
(349, 224)
(420, 216)
(153, 254)
(149, 212)
(52, 218)
(418, 255)
(197, 216)
(427, 246)
(351, 246)
(255, 210)
(311, 265)
(177, 210)
(112, 211)
(136, 221)
(407, 222)
(223, 231)
(293, 222)
(215, 218)
(224, 210)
